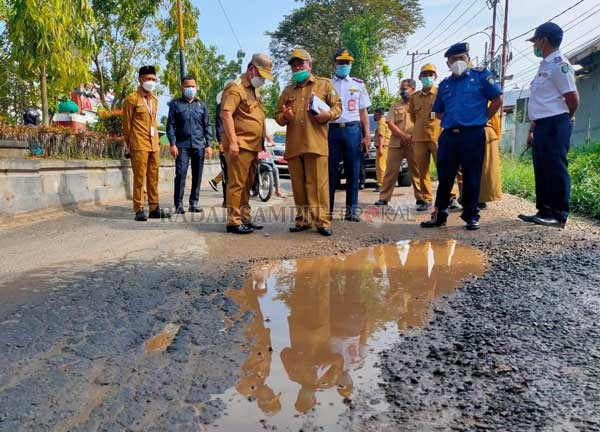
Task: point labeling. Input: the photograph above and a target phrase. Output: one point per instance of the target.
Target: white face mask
(149, 86)
(459, 67)
(257, 82)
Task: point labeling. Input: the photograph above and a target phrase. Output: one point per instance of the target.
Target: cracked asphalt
(83, 291)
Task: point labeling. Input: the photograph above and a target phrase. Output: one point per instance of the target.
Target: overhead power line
(230, 26)
(554, 17)
(418, 44)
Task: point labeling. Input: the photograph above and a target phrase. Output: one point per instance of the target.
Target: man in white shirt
(552, 106)
(349, 135)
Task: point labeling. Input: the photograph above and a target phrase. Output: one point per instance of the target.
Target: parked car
(278, 153)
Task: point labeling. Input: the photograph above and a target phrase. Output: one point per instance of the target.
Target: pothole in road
(318, 324)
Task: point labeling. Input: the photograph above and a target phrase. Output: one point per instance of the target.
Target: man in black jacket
(189, 133)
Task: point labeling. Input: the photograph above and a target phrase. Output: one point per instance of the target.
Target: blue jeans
(551, 141)
(466, 149)
(196, 157)
(344, 145)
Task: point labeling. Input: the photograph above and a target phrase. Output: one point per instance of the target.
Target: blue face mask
(343, 70)
(404, 94)
(189, 92)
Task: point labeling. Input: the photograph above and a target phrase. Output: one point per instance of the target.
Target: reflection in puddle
(318, 324)
(163, 340)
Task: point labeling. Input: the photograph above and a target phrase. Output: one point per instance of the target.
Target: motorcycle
(264, 181)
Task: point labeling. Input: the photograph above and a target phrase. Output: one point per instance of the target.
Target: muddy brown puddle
(319, 323)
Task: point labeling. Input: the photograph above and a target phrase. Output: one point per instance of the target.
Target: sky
(250, 21)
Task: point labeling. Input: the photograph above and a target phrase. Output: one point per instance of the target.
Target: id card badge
(432, 115)
(352, 105)
(151, 131)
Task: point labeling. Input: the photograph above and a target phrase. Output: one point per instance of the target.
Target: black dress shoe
(432, 224)
(527, 218)
(482, 205)
(380, 202)
(423, 206)
(352, 218)
(159, 213)
(194, 209)
(254, 226)
(299, 228)
(473, 225)
(239, 229)
(549, 222)
(141, 216)
(179, 210)
(325, 231)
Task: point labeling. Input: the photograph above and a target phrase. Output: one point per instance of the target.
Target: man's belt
(344, 125)
(460, 129)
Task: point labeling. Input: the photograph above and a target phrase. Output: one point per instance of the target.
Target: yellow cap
(264, 64)
(343, 54)
(429, 68)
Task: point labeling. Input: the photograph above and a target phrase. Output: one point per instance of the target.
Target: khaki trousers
(240, 176)
(310, 185)
(423, 152)
(394, 162)
(381, 163)
(145, 166)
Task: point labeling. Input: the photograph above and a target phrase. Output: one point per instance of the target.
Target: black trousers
(464, 147)
(224, 169)
(551, 141)
(195, 156)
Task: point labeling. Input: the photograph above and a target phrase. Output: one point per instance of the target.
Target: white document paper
(318, 103)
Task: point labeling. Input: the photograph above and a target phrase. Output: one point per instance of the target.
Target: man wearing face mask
(401, 146)
(140, 131)
(552, 105)
(349, 135)
(426, 134)
(306, 147)
(190, 134)
(462, 105)
(243, 119)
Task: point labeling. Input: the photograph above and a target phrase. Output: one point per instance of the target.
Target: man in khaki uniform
(426, 133)
(307, 148)
(243, 119)
(382, 142)
(140, 130)
(401, 126)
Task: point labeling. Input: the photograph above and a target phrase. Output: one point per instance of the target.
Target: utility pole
(494, 5)
(504, 45)
(182, 67)
(413, 55)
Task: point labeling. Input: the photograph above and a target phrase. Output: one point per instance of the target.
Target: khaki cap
(299, 53)
(264, 64)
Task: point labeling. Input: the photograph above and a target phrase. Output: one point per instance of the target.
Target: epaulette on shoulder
(358, 80)
(479, 69)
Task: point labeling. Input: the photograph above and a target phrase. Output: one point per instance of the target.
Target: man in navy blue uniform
(552, 105)
(463, 105)
(349, 135)
(189, 133)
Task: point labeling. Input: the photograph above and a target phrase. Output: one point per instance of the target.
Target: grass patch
(584, 167)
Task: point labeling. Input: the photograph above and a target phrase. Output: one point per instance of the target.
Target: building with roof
(587, 119)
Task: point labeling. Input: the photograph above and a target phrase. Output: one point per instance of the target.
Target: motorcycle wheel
(266, 185)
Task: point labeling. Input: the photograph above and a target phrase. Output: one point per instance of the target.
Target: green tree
(125, 35)
(51, 41)
(372, 28)
(210, 69)
(270, 96)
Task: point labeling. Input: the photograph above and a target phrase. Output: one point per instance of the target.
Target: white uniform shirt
(354, 97)
(555, 77)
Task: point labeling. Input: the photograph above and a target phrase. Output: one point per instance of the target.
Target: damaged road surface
(111, 325)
